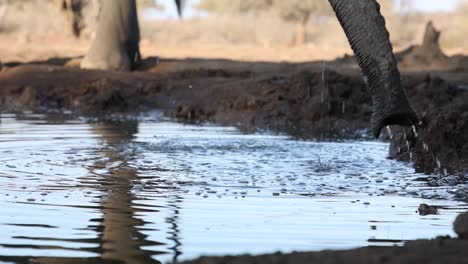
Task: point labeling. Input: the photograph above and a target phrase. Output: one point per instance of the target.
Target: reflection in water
(121, 235)
(120, 230)
(174, 204)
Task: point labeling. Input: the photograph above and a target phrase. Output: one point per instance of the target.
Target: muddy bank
(440, 250)
(304, 100)
(323, 101)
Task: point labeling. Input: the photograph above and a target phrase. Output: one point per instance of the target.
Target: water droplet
(425, 146)
(415, 131)
(390, 133)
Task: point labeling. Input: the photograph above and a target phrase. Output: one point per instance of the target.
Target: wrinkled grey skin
(365, 29)
(116, 45)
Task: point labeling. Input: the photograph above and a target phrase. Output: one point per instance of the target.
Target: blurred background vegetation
(254, 23)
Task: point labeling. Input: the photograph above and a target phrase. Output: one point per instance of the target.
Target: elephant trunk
(365, 29)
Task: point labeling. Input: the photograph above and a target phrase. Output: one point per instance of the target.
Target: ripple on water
(154, 190)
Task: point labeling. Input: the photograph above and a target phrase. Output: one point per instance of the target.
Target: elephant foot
(400, 116)
(116, 63)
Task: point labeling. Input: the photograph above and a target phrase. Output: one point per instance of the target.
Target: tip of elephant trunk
(398, 118)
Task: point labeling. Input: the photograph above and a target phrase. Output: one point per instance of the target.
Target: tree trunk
(365, 28)
(300, 33)
(116, 45)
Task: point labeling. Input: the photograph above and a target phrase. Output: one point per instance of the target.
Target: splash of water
(439, 166)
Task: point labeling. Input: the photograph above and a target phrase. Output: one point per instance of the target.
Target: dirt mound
(301, 104)
(428, 55)
(44, 86)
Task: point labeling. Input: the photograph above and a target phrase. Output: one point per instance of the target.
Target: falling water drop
(389, 130)
(415, 131)
(321, 100)
(323, 82)
(425, 146)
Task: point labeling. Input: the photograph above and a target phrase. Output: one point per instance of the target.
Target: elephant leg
(72, 12)
(116, 45)
(365, 29)
(180, 6)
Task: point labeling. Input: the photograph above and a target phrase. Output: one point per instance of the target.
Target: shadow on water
(119, 231)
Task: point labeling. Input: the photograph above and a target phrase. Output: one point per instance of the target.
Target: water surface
(147, 190)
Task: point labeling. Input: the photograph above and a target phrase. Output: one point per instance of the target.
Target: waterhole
(149, 190)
